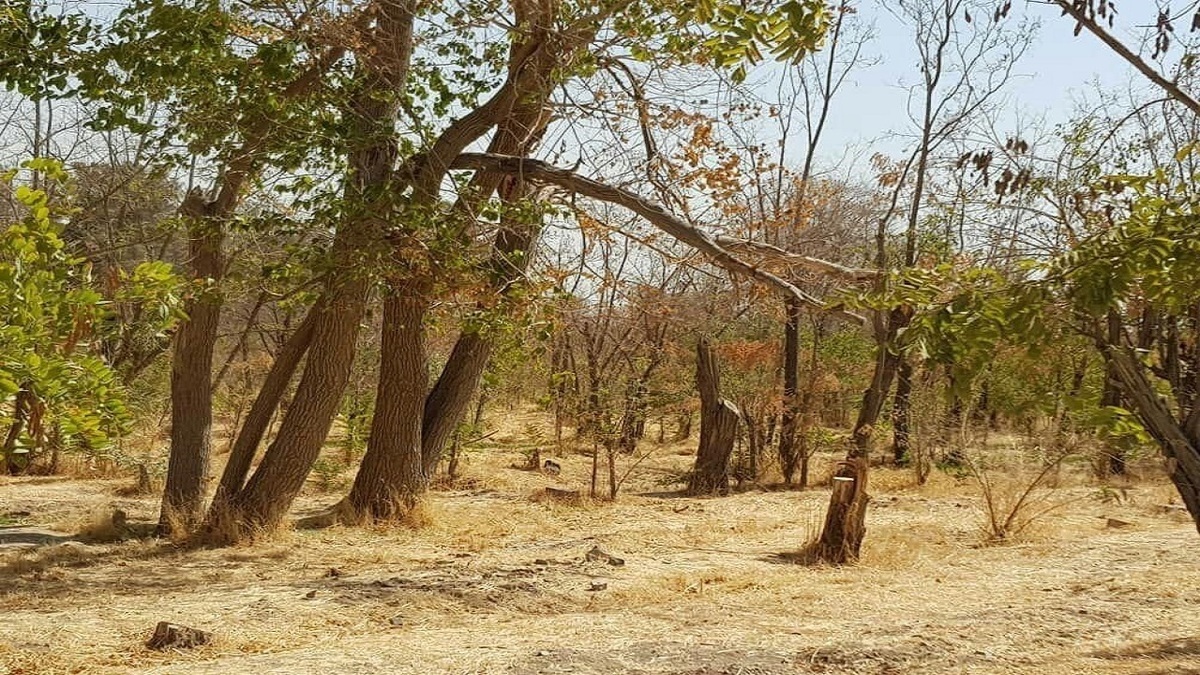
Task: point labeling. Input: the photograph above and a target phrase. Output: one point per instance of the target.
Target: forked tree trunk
(842, 536)
(392, 478)
(269, 493)
(788, 452)
(887, 362)
(192, 373)
(718, 427)
(372, 111)
(263, 409)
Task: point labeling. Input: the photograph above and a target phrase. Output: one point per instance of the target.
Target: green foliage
(51, 320)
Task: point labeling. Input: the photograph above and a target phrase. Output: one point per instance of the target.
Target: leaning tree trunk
(371, 112)
(1180, 442)
(392, 478)
(841, 537)
(262, 410)
(718, 427)
(191, 375)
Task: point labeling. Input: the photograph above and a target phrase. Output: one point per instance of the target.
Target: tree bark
(1181, 448)
(191, 374)
(392, 478)
(788, 454)
(842, 536)
(372, 112)
(263, 410)
(887, 361)
(718, 427)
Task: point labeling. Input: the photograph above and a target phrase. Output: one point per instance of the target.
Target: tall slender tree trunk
(392, 478)
(791, 403)
(902, 414)
(192, 374)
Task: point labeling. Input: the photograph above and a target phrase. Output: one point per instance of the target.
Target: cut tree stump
(841, 538)
(174, 636)
(718, 428)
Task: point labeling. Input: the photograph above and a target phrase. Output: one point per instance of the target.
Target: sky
(1057, 73)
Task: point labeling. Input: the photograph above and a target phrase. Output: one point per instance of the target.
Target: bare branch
(531, 169)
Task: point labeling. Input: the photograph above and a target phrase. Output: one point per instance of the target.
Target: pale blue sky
(1057, 73)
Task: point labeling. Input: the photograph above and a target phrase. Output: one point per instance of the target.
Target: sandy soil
(501, 583)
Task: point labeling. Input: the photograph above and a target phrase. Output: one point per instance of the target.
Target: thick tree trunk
(718, 427)
(841, 537)
(788, 454)
(392, 478)
(191, 376)
(269, 493)
(902, 414)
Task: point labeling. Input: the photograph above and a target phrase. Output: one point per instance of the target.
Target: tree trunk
(21, 406)
(1111, 396)
(263, 410)
(392, 478)
(902, 414)
(842, 535)
(192, 373)
(887, 362)
(791, 373)
(718, 428)
(1179, 442)
(269, 493)
(371, 112)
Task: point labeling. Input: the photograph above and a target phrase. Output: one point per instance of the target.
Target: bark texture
(842, 535)
(718, 427)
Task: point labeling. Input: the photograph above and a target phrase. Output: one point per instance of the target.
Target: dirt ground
(501, 582)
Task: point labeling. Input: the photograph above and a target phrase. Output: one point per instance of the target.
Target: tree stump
(842, 535)
(173, 636)
(718, 427)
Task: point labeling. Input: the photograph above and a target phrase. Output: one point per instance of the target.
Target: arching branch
(535, 170)
(780, 256)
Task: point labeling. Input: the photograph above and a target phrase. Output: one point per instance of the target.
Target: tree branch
(531, 169)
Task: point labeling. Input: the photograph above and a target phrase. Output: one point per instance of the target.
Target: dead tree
(718, 427)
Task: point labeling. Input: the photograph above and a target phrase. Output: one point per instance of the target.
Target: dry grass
(499, 582)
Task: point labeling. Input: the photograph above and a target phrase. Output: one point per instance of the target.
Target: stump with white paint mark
(841, 538)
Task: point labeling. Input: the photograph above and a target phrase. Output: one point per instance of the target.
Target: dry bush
(1015, 498)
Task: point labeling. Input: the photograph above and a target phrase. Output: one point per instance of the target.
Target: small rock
(598, 586)
(311, 594)
(1114, 524)
(396, 621)
(543, 652)
(333, 573)
(541, 561)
